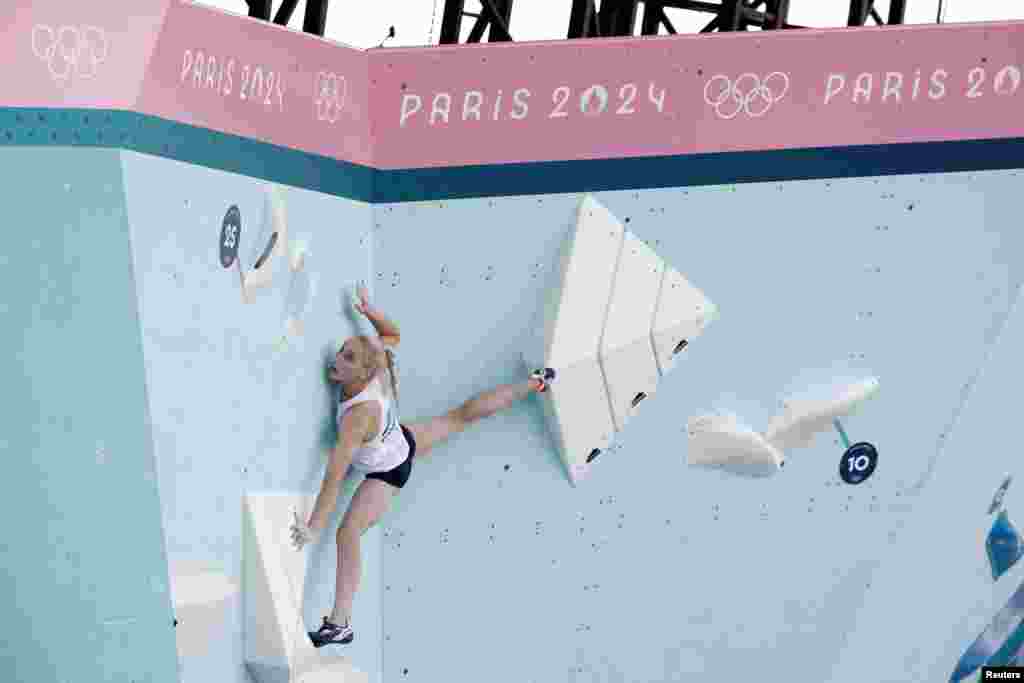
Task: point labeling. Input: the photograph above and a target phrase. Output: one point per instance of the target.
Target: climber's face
(347, 367)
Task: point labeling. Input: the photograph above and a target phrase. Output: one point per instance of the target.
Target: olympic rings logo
(748, 93)
(70, 50)
(331, 91)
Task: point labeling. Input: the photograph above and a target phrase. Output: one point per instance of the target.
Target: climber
(373, 442)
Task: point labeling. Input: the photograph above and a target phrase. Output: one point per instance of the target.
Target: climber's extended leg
(370, 502)
(431, 432)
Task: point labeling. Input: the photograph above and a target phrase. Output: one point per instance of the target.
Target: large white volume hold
(802, 418)
(576, 310)
(722, 441)
(682, 314)
(567, 335)
(276, 646)
(627, 358)
(578, 417)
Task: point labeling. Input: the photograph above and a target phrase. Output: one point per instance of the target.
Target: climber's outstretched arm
(355, 427)
(386, 329)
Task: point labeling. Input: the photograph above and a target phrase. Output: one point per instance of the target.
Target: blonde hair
(373, 357)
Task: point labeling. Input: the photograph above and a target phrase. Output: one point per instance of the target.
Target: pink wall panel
(255, 79)
(518, 102)
(696, 94)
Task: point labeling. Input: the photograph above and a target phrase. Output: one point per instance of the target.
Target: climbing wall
(172, 302)
(243, 293)
(80, 494)
(907, 279)
(489, 544)
(934, 590)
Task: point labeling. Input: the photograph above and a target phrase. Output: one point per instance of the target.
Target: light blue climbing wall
(934, 593)
(85, 586)
(235, 410)
(145, 398)
(653, 571)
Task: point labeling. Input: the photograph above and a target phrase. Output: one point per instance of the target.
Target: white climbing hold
(722, 441)
(802, 418)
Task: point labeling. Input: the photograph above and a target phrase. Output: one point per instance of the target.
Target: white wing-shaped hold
(272, 241)
(721, 441)
(802, 419)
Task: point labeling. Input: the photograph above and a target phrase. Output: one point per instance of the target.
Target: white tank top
(388, 449)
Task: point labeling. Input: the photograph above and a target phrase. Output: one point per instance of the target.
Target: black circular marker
(858, 463)
(230, 234)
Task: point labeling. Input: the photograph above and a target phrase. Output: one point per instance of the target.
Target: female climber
(373, 442)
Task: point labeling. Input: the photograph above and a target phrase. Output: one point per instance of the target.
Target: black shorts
(398, 476)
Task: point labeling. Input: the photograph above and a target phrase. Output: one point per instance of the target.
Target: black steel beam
(259, 9)
(618, 17)
(730, 16)
(285, 11)
(315, 21)
(859, 11)
(500, 14)
(583, 20)
(654, 18)
(897, 11)
(496, 16)
(451, 21)
(605, 18)
(776, 15)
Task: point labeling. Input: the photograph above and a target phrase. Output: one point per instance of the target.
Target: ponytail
(391, 372)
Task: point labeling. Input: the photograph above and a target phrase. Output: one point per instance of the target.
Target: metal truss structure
(314, 22)
(587, 20)
(619, 17)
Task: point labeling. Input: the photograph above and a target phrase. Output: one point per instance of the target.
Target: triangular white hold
(576, 309)
(801, 418)
(276, 645)
(599, 327)
(627, 359)
(578, 416)
(721, 441)
(681, 316)
(567, 337)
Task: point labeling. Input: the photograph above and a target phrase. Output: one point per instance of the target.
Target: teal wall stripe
(232, 153)
(183, 142)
